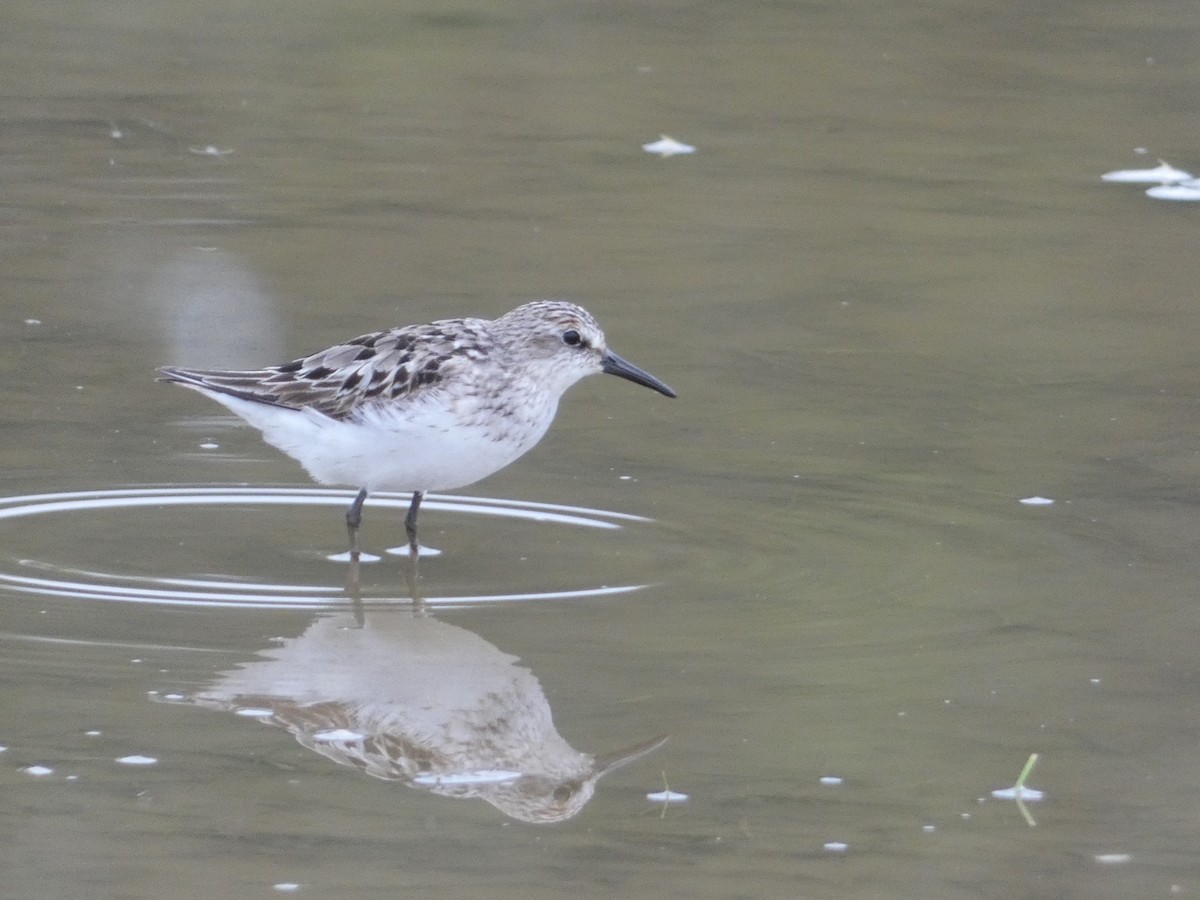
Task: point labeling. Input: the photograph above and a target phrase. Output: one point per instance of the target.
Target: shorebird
(422, 407)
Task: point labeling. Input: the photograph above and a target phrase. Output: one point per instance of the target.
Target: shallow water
(894, 298)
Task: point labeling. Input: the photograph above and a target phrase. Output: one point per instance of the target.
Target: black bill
(615, 365)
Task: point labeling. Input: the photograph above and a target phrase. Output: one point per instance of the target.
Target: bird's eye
(572, 338)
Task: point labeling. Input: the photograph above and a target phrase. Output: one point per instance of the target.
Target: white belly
(425, 449)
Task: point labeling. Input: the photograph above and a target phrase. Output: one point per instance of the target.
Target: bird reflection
(405, 697)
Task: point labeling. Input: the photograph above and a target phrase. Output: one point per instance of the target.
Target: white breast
(423, 447)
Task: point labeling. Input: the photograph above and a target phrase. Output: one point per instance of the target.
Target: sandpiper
(423, 407)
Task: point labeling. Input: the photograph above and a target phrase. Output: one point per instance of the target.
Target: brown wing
(393, 365)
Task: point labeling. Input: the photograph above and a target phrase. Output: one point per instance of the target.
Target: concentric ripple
(39, 577)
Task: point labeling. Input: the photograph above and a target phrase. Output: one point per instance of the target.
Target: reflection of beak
(615, 365)
(606, 762)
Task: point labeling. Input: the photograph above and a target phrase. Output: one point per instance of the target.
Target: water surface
(894, 298)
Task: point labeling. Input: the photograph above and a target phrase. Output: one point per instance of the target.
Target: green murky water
(894, 298)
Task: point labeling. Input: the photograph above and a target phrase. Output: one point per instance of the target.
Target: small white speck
(95, 732)
(965, 815)
(286, 887)
(38, 771)
(255, 712)
(174, 698)
(1163, 173)
(1113, 859)
(831, 779)
(135, 660)
(666, 797)
(137, 760)
(1093, 680)
(72, 778)
(209, 150)
(929, 829)
(2, 748)
(337, 734)
(836, 846)
(1015, 793)
(668, 146)
(483, 776)
(33, 321)
(1036, 501)
(209, 445)
(1187, 192)
(625, 478)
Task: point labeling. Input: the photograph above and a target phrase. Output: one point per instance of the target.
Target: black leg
(410, 523)
(354, 589)
(353, 520)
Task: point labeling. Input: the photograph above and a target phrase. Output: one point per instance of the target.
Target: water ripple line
(86, 584)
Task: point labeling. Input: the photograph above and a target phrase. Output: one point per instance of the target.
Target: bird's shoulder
(396, 364)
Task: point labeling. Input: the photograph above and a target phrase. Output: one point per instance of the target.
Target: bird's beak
(615, 365)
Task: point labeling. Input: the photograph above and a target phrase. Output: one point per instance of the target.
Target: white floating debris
(286, 887)
(211, 150)
(1113, 859)
(95, 732)
(830, 779)
(38, 771)
(337, 734)
(666, 797)
(1163, 173)
(255, 712)
(928, 829)
(1037, 501)
(482, 776)
(174, 698)
(137, 760)
(837, 846)
(668, 146)
(2, 748)
(209, 445)
(33, 321)
(1188, 191)
(1016, 793)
